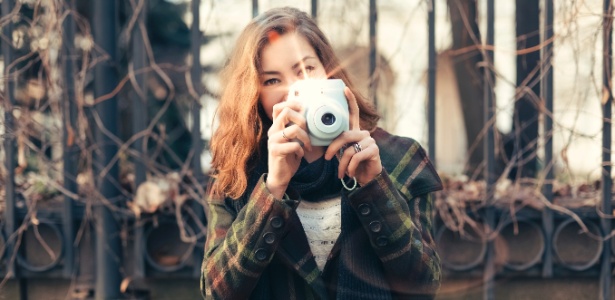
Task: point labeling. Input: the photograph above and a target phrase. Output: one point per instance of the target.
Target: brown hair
(242, 122)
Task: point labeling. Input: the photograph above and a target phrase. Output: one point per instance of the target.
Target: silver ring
(357, 147)
(284, 135)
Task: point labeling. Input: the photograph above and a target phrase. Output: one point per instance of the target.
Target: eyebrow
(307, 57)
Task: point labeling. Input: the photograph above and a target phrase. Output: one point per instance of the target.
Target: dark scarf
(317, 180)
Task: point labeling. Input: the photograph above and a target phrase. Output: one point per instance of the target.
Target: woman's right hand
(285, 138)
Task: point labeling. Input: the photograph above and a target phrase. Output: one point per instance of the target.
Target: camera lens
(328, 119)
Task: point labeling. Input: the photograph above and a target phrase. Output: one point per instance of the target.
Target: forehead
(285, 51)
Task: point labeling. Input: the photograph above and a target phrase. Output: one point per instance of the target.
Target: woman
(285, 221)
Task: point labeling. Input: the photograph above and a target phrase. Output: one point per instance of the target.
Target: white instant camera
(325, 108)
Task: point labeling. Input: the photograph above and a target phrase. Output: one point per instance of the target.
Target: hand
(363, 161)
(285, 145)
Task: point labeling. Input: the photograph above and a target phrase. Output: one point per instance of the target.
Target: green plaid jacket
(259, 250)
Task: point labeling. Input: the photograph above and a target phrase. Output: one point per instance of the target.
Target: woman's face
(284, 60)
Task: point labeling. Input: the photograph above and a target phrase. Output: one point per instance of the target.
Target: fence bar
(431, 90)
(70, 149)
(607, 89)
(139, 121)
(139, 101)
(373, 52)
(546, 91)
(254, 8)
(526, 114)
(315, 10)
(196, 72)
(108, 255)
(9, 139)
(489, 144)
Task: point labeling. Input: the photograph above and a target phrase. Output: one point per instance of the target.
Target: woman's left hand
(361, 157)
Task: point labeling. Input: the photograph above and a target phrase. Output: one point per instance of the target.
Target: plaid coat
(258, 249)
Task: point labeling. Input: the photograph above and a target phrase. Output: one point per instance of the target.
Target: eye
(306, 70)
(271, 81)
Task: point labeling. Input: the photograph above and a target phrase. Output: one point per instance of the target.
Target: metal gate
(58, 236)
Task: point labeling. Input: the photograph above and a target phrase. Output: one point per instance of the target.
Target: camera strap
(354, 186)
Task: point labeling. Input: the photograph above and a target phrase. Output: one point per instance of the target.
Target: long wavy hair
(238, 142)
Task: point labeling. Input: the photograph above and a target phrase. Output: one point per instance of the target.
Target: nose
(284, 91)
(286, 87)
(291, 82)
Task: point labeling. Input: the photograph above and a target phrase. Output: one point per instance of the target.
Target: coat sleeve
(396, 210)
(240, 244)
(400, 232)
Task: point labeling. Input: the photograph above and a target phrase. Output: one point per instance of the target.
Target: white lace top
(322, 224)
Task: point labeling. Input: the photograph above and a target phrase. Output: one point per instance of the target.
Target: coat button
(382, 241)
(375, 226)
(364, 209)
(261, 254)
(276, 222)
(269, 238)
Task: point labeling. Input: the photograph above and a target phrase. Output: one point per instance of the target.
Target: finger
(343, 139)
(294, 133)
(368, 153)
(285, 149)
(344, 160)
(353, 109)
(279, 107)
(349, 155)
(285, 117)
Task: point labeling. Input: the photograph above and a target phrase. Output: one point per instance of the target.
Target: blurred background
(108, 107)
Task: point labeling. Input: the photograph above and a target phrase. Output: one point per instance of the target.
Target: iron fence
(119, 241)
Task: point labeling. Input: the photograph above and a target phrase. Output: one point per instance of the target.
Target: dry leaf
(125, 283)
(149, 197)
(34, 220)
(606, 95)
(70, 135)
